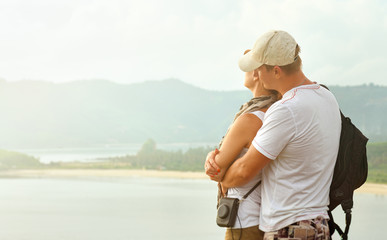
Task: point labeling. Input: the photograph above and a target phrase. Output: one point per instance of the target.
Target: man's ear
(277, 72)
(255, 75)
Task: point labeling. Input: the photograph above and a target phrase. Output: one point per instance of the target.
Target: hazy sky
(343, 42)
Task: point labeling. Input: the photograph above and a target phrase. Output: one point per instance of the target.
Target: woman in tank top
(234, 145)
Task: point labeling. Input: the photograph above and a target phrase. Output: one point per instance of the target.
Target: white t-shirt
(248, 211)
(301, 134)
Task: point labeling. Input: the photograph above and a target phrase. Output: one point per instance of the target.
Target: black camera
(227, 212)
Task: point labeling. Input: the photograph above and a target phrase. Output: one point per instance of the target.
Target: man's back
(301, 135)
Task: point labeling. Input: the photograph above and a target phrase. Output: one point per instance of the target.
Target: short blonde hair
(290, 68)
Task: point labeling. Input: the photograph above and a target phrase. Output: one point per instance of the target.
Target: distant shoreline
(70, 173)
(122, 173)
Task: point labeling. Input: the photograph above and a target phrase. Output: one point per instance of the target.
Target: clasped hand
(211, 168)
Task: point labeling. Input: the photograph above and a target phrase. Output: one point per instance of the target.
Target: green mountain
(366, 105)
(85, 113)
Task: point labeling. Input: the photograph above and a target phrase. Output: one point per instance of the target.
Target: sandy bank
(73, 173)
(373, 188)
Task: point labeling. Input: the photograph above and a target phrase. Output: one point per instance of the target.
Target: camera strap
(220, 193)
(251, 190)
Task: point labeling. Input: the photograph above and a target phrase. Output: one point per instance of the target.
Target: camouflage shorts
(315, 229)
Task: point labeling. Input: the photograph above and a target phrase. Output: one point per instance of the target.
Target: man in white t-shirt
(296, 147)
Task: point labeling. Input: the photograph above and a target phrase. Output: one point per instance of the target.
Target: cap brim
(247, 63)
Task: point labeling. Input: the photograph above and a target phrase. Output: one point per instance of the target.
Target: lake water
(135, 208)
(98, 153)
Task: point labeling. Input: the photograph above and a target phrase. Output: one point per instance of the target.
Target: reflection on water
(135, 208)
(89, 154)
(97, 153)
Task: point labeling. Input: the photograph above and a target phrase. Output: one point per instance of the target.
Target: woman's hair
(290, 68)
(273, 93)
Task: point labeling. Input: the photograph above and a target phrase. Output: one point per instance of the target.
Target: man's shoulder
(294, 94)
(278, 109)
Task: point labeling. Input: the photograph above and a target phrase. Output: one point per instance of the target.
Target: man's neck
(291, 81)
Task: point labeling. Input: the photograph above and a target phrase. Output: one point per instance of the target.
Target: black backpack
(350, 172)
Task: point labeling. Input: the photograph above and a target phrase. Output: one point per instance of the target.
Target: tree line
(150, 157)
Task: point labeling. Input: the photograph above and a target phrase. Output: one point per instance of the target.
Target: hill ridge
(86, 113)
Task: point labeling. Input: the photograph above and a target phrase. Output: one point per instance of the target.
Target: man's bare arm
(245, 168)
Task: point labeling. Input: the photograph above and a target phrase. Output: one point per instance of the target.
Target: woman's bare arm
(240, 135)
